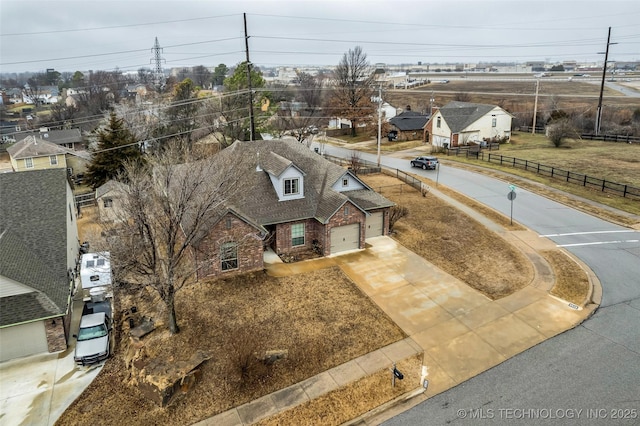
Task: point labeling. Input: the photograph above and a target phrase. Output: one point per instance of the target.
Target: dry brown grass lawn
(320, 317)
(351, 401)
(455, 242)
(571, 283)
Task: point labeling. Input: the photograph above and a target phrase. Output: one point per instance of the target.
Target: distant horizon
(168, 71)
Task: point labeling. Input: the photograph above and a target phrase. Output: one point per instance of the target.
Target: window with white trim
(229, 256)
(438, 121)
(297, 234)
(53, 160)
(291, 186)
(28, 163)
(494, 121)
(345, 182)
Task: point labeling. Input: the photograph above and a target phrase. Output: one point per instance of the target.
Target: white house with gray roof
(462, 123)
(39, 249)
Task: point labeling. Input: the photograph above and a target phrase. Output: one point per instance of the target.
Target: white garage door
(22, 340)
(345, 238)
(375, 224)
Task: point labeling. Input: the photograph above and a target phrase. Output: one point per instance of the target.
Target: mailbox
(398, 374)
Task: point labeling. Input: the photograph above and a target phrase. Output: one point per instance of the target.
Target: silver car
(93, 339)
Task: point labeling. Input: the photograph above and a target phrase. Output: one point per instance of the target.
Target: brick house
(39, 246)
(293, 201)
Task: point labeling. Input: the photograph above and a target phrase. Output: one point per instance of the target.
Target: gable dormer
(347, 182)
(287, 179)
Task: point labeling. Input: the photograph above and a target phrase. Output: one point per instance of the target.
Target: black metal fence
(603, 185)
(471, 151)
(411, 181)
(611, 138)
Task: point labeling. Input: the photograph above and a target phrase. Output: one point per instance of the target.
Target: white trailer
(95, 277)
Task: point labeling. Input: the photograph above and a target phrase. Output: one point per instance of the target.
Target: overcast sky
(104, 34)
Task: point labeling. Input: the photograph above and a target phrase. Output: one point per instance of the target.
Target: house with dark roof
(409, 125)
(39, 246)
(464, 123)
(293, 202)
(66, 138)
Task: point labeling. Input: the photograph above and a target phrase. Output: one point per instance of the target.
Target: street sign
(511, 196)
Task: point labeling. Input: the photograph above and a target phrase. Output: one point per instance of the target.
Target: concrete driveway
(36, 390)
(461, 331)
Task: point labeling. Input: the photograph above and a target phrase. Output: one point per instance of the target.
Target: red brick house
(292, 201)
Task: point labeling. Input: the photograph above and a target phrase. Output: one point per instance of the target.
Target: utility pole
(535, 108)
(252, 123)
(379, 120)
(604, 74)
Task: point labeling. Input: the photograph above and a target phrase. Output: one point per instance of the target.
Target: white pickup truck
(93, 339)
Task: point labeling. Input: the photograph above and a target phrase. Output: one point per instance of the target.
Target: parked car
(93, 339)
(425, 162)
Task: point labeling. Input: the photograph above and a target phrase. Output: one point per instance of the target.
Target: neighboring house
(109, 199)
(33, 153)
(68, 138)
(73, 100)
(135, 91)
(408, 125)
(8, 131)
(300, 200)
(39, 251)
(463, 123)
(388, 111)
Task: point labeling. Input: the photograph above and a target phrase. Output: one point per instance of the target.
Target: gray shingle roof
(110, 185)
(34, 147)
(33, 243)
(460, 115)
(58, 137)
(259, 201)
(409, 120)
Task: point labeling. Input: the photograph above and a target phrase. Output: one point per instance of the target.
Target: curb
(362, 419)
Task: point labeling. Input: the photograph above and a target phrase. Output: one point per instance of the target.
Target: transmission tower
(158, 74)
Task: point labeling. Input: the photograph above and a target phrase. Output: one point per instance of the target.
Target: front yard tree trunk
(173, 323)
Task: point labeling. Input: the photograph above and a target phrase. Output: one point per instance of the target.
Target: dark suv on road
(425, 162)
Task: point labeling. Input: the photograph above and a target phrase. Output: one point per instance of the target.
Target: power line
(116, 26)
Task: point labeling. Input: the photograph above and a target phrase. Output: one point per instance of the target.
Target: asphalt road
(587, 375)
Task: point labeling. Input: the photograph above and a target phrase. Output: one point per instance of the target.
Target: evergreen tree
(108, 162)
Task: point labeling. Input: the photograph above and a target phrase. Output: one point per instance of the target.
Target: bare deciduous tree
(303, 114)
(167, 209)
(395, 214)
(351, 97)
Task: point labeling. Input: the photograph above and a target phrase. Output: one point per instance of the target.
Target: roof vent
(258, 168)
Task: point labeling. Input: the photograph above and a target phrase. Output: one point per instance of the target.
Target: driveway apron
(461, 331)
